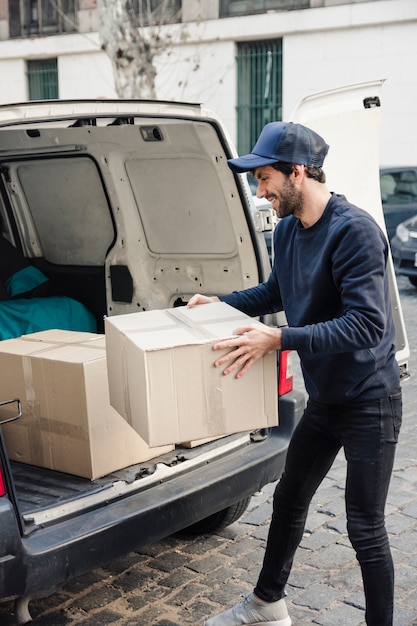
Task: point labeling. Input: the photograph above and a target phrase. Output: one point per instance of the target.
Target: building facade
(251, 61)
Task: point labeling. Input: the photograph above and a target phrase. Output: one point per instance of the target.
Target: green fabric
(25, 280)
(31, 315)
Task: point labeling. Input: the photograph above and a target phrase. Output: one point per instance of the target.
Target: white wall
(84, 71)
(88, 75)
(13, 84)
(203, 73)
(387, 52)
(322, 48)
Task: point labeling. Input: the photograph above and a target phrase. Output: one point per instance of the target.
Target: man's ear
(298, 171)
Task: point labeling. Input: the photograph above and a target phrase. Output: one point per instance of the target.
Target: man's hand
(253, 342)
(199, 299)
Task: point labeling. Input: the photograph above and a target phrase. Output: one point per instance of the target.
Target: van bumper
(50, 556)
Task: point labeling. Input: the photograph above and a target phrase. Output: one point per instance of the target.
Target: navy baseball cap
(283, 141)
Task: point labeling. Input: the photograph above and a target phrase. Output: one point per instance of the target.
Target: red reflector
(285, 378)
(2, 486)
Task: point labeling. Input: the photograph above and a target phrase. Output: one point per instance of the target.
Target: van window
(71, 191)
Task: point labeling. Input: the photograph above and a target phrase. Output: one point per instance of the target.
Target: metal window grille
(231, 8)
(41, 17)
(259, 98)
(151, 12)
(42, 79)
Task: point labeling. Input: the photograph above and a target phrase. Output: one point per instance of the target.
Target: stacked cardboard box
(68, 423)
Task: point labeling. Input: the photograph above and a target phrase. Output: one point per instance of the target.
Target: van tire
(219, 520)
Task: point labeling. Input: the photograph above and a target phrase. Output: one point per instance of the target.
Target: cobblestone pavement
(181, 580)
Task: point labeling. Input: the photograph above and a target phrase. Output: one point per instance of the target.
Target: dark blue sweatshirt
(332, 283)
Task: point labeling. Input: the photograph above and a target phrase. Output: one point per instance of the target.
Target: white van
(130, 206)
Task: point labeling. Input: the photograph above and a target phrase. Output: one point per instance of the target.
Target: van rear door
(349, 120)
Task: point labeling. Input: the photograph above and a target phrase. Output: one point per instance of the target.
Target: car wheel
(413, 280)
(219, 520)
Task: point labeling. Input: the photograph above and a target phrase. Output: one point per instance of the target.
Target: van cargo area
(109, 208)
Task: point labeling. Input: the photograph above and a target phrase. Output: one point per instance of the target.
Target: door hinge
(265, 219)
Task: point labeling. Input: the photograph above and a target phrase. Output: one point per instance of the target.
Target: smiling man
(330, 278)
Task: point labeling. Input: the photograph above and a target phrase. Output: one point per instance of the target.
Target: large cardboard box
(163, 381)
(68, 423)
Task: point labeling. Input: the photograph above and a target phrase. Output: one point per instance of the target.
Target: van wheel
(219, 520)
(413, 280)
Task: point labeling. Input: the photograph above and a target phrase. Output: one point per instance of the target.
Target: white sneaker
(253, 611)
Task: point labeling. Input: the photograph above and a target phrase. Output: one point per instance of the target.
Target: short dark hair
(316, 173)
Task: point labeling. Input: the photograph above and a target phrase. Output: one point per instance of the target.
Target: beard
(290, 200)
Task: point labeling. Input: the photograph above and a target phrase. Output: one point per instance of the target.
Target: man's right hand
(199, 299)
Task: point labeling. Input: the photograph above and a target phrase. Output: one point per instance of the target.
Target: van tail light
(2, 485)
(285, 377)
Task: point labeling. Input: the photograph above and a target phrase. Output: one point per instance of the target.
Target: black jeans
(368, 432)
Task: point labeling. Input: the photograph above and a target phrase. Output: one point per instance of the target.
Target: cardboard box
(57, 336)
(163, 381)
(198, 442)
(68, 423)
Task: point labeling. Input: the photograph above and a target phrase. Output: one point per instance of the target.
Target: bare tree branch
(132, 35)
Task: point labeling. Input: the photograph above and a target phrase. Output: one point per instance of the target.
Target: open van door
(348, 118)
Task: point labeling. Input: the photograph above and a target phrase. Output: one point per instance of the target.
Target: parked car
(128, 206)
(404, 249)
(399, 195)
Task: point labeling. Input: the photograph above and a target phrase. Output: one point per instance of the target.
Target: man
(329, 275)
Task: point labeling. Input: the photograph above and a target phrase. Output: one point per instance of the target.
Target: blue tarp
(22, 316)
(25, 280)
(31, 315)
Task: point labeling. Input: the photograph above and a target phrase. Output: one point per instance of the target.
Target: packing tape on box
(30, 417)
(125, 376)
(198, 331)
(214, 401)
